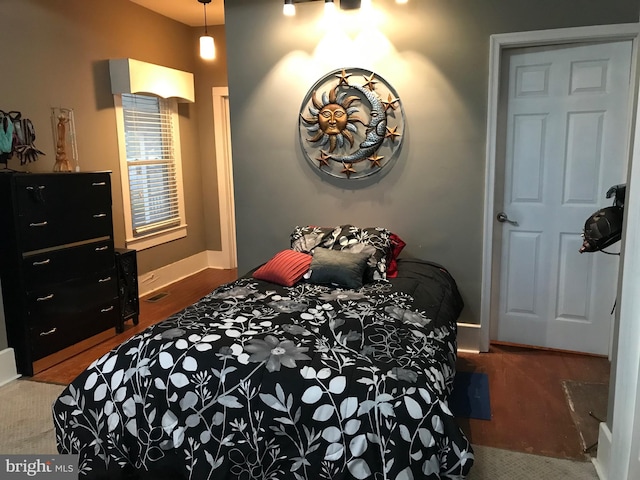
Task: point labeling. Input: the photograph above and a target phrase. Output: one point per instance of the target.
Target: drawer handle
(40, 187)
(102, 280)
(99, 184)
(41, 224)
(42, 334)
(99, 215)
(105, 310)
(43, 262)
(44, 299)
(100, 249)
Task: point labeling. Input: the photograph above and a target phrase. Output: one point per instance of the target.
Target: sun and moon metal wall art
(351, 124)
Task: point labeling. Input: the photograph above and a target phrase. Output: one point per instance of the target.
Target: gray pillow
(342, 268)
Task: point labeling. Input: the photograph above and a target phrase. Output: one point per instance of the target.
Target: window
(151, 172)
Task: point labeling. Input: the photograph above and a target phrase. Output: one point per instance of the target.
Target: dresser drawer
(71, 297)
(54, 332)
(41, 232)
(68, 263)
(61, 190)
(62, 208)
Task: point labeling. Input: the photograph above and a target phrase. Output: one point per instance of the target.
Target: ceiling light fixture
(289, 8)
(329, 6)
(207, 45)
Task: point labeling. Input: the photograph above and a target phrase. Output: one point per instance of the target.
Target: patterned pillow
(305, 239)
(285, 268)
(375, 241)
(344, 269)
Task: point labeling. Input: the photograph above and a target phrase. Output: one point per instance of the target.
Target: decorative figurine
(62, 162)
(64, 136)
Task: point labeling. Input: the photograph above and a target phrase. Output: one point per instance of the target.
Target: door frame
(497, 44)
(619, 437)
(222, 127)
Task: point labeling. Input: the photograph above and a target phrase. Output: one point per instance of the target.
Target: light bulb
(329, 7)
(289, 8)
(207, 47)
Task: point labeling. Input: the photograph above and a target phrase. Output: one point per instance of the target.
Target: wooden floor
(529, 410)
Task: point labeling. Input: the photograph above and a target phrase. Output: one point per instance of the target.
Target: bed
(293, 377)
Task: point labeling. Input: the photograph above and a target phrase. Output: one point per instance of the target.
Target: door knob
(502, 217)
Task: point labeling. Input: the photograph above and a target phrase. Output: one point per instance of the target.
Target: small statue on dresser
(62, 162)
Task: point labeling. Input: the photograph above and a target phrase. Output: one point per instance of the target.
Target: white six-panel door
(565, 131)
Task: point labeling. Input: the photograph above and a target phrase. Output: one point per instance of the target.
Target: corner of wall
(160, 278)
(8, 371)
(469, 337)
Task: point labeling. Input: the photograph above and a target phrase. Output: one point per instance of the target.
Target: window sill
(157, 238)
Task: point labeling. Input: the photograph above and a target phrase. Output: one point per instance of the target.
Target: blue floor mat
(470, 396)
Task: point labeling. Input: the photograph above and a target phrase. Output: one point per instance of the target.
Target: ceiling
(189, 12)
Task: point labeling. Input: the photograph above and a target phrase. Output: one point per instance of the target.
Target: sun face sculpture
(332, 120)
(350, 131)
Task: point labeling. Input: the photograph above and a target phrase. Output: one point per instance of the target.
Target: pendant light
(329, 7)
(207, 45)
(289, 8)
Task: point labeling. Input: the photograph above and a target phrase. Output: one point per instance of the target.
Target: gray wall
(435, 54)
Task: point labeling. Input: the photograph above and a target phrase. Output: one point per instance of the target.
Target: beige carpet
(496, 464)
(26, 427)
(26, 424)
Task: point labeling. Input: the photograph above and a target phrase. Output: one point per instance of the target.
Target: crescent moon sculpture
(375, 130)
(338, 114)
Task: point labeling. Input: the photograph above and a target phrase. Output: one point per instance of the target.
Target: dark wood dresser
(57, 263)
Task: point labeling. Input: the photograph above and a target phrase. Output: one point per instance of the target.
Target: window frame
(155, 237)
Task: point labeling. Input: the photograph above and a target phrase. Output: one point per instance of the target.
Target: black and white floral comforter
(257, 381)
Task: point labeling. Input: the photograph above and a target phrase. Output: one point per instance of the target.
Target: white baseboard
(220, 259)
(163, 276)
(8, 371)
(603, 461)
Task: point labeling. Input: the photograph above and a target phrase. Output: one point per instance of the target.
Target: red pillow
(285, 268)
(397, 244)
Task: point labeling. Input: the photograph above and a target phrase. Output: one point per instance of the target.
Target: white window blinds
(151, 163)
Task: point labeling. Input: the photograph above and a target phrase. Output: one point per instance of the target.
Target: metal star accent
(392, 133)
(323, 159)
(343, 77)
(348, 169)
(390, 104)
(370, 82)
(375, 161)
